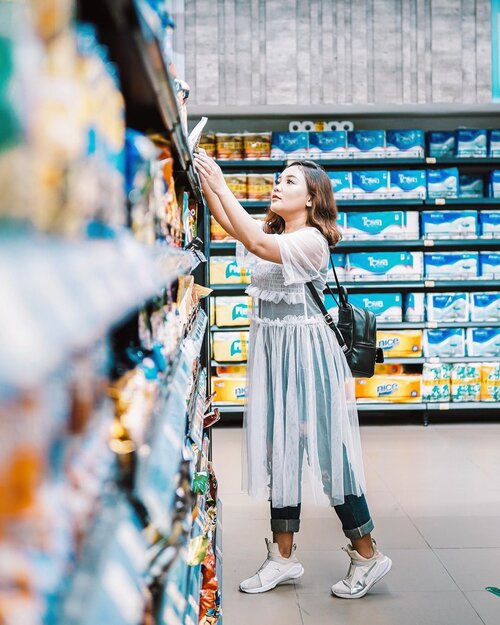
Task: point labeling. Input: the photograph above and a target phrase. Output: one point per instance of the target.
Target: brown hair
(323, 212)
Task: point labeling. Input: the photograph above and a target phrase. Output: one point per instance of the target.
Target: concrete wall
(299, 52)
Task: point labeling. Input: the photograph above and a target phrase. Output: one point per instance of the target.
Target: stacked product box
(400, 343)
(489, 223)
(464, 143)
(389, 388)
(405, 144)
(449, 224)
(385, 265)
(380, 225)
(226, 270)
(442, 183)
(451, 265)
(366, 144)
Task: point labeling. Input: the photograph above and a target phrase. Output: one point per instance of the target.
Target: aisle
(435, 497)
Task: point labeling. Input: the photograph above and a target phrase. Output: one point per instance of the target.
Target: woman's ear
(309, 202)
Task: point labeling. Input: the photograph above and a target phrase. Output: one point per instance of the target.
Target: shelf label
(441, 201)
(429, 284)
(428, 242)
(434, 360)
(444, 406)
(432, 324)
(431, 160)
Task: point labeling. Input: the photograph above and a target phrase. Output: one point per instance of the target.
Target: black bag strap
(341, 290)
(328, 318)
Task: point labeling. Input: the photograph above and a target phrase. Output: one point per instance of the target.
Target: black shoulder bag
(356, 331)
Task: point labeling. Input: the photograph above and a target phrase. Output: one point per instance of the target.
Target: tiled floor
(434, 494)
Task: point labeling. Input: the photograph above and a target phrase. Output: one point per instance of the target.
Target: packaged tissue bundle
(489, 223)
(494, 183)
(233, 311)
(485, 306)
(494, 143)
(489, 264)
(340, 261)
(237, 184)
(385, 306)
(370, 184)
(483, 342)
(229, 145)
(389, 388)
(441, 143)
(449, 224)
(366, 144)
(342, 223)
(471, 143)
(384, 225)
(328, 144)
(400, 343)
(466, 382)
(471, 186)
(414, 308)
(217, 232)
(404, 143)
(447, 307)
(444, 343)
(408, 184)
(342, 184)
(442, 183)
(392, 265)
(229, 390)
(436, 382)
(257, 145)
(290, 145)
(260, 186)
(230, 346)
(490, 381)
(451, 265)
(225, 270)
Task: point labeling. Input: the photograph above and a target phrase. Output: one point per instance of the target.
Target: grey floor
(434, 494)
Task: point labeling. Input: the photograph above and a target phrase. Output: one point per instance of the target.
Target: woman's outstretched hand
(210, 173)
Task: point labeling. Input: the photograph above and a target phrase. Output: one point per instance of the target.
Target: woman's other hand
(210, 173)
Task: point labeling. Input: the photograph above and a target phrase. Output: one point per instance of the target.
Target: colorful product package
(444, 343)
(466, 382)
(436, 382)
(328, 144)
(217, 232)
(385, 306)
(389, 388)
(257, 145)
(340, 261)
(260, 186)
(370, 185)
(341, 184)
(229, 146)
(237, 184)
(208, 143)
(494, 143)
(442, 183)
(408, 184)
(483, 342)
(231, 371)
(414, 307)
(342, 223)
(290, 145)
(229, 390)
(485, 306)
(230, 346)
(494, 183)
(451, 265)
(400, 343)
(225, 270)
(366, 144)
(390, 368)
(471, 186)
(383, 224)
(404, 143)
(489, 264)
(233, 311)
(449, 224)
(441, 143)
(490, 381)
(489, 223)
(447, 306)
(392, 265)
(471, 143)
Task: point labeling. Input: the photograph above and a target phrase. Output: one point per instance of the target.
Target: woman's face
(290, 193)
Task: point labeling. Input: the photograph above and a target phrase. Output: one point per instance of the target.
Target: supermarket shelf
(417, 360)
(255, 203)
(390, 407)
(463, 201)
(349, 163)
(393, 407)
(396, 325)
(472, 405)
(455, 160)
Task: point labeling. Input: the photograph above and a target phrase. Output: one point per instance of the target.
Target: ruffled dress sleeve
(304, 254)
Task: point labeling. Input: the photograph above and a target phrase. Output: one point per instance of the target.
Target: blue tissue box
(471, 143)
(441, 144)
(370, 184)
(442, 183)
(405, 143)
(366, 144)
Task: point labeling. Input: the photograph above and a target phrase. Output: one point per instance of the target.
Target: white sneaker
(275, 570)
(363, 573)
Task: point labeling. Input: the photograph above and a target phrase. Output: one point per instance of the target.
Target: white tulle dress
(301, 403)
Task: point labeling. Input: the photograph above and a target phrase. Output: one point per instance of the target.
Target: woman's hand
(210, 173)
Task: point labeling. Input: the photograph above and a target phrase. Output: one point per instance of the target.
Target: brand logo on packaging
(386, 389)
(369, 180)
(236, 347)
(370, 223)
(387, 344)
(232, 270)
(240, 311)
(370, 303)
(377, 263)
(240, 392)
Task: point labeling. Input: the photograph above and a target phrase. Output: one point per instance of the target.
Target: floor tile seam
(298, 603)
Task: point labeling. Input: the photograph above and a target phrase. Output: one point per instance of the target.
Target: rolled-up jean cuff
(285, 525)
(359, 532)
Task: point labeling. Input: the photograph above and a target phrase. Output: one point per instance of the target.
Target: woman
(300, 390)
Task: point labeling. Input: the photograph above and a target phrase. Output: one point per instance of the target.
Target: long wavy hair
(322, 214)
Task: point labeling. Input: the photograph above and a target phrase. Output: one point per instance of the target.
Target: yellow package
(212, 311)
(400, 343)
(233, 311)
(490, 381)
(389, 388)
(230, 346)
(225, 270)
(389, 369)
(257, 145)
(229, 390)
(237, 184)
(207, 142)
(260, 186)
(217, 232)
(231, 371)
(229, 145)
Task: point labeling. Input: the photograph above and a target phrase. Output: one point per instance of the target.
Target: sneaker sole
(367, 588)
(290, 575)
